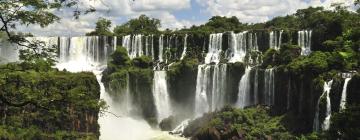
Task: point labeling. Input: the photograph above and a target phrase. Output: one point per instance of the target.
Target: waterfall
(185, 47)
(256, 86)
(244, 89)
(147, 53)
(161, 95)
(133, 45)
(238, 47)
(304, 41)
(326, 92)
(126, 42)
(215, 48)
(218, 87)
(275, 39)
(161, 48)
(152, 47)
(326, 123)
(210, 88)
(343, 94)
(269, 84)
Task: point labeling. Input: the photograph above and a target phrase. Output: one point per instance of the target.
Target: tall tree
(102, 28)
(143, 24)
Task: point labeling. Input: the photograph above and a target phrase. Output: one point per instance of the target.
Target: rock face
(58, 103)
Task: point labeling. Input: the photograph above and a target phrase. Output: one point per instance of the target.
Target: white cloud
(120, 11)
(261, 10)
(113, 10)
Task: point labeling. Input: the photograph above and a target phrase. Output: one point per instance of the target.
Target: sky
(174, 14)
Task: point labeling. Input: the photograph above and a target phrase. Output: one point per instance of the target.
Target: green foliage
(142, 62)
(252, 123)
(316, 63)
(269, 58)
(120, 57)
(143, 24)
(345, 124)
(184, 66)
(102, 28)
(46, 102)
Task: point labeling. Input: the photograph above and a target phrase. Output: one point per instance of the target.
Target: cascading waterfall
(304, 41)
(161, 48)
(185, 47)
(238, 47)
(269, 84)
(126, 42)
(256, 86)
(275, 39)
(136, 47)
(326, 92)
(326, 123)
(344, 94)
(210, 88)
(161, 95)
(244, 89)
(89, 54)
(147, 53)
(215, 48)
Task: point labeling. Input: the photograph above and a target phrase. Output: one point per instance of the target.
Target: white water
(244, 89)
(201, 101)
(161, 95)
(185, 47)
(326, 123)
(275, 39)
(304, 41)
(269, 84)
(344, 94)
(161, 48)
(210, 88)
(256, 86)
(238, 47)
(215, 49)
(326, 92)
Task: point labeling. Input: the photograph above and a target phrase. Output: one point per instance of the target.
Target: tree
(102, 28)
(143, 24)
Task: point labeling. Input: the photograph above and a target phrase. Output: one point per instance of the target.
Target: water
(161, 48)
(269, 84)
(325, 125)
(343, 94)
(244, 89)
(161, 95)
(238, 47)
(256, 86)
(304, 41)
(185, 47)
(215, 49)
(210, 88)
(275, 39)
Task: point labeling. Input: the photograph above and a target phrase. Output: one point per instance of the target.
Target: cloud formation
(120, 11)
(253, 11)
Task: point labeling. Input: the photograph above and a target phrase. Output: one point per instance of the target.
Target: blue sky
(174, 14)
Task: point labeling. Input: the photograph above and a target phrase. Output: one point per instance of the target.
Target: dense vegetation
(39, 103)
